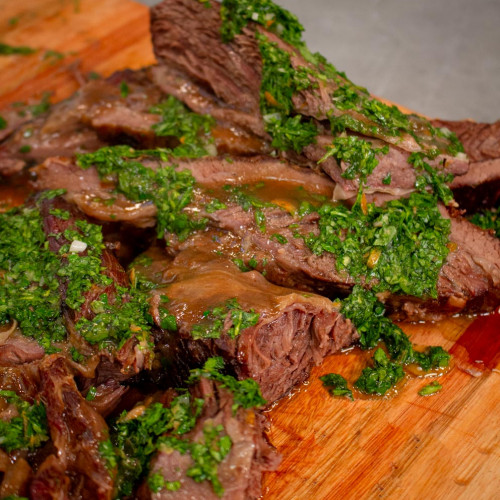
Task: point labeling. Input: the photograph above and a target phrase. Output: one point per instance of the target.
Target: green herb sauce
(336, 385)
(381, 377)
(358, 154)
(400, 247)
(169, 189)
(488, 219)
(28, 430)
(212, 326)
(192, 130)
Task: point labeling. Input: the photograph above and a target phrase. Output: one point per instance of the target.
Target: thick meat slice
(480, 187)
(292, 333)
(227, 77)
(239, 472)
(78, 470)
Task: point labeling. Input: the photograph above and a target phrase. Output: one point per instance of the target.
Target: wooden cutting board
(407, 447)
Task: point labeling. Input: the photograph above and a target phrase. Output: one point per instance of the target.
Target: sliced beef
(131, 357)
(98, 114)
(294, 331)
(16, 349)
(480, 187)
(77, 470)
(292, 264)
(240, 472)
(225, 79)
(85, 189)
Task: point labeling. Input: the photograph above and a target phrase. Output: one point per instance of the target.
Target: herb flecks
(280, 81)
(357, 153)
(430, 389)
(381, 377)
(171, 190)
(135, 440)
(336, 385)
(28, 429)
(246, 393)
(29, 291)
(400, 247)
(236, 14)
(207, 453)
(192, 130)
(228, 318)
(488, 219)
(429, 176)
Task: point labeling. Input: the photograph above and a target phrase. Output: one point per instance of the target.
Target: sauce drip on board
(479, 346)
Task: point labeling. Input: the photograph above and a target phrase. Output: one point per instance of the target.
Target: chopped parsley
(430, 389)
(3, 123)
(488, 219)
(279, 238)
(128, 316)
(27, 430)
(32, 274)
(169, 189)
(157, 482)
(236, 14)
(279, 83)
(124, 89)
(358, 154)
(191, 129)
(400, 247)
(216, 320)
(9, 50)
(135, 440)
(431, 176)
(206, 454)
(381, 377)
(29, 291)
(246, 393)
(336, 385)
(368, 316)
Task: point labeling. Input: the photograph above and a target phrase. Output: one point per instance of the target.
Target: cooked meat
(77, 469)
(239, 472)
(480, 187)
(130, 358)
(469, 280)
(293, 331)
(227, 77)
(18, 349)
(96, 115)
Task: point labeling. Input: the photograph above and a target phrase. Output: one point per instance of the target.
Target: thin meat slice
(292, 333)
(465, 282)
(98, 114)
(240, 472)
(225, 79)
(480, 186)
(78, 470)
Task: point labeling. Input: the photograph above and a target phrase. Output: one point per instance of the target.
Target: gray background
(438, 57)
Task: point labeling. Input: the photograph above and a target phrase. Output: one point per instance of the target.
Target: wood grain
(409, 447)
